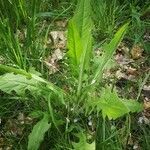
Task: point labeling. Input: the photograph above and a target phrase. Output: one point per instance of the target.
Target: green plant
(85, 95)
(15, 12)
(145, 137)
(38, 87)
(107, 15)
(11, 43)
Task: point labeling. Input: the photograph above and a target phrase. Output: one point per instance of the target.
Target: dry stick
(143, 83)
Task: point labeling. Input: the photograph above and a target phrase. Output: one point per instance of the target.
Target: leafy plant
(22, 82)
(111, 105)
(83, 97)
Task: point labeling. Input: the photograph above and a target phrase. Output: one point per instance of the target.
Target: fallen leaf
(147, 37)
(21, 118)
(59, 39)
(136, 51)
(123, 48)
(132, 71)
(146, 88)
(123, 60)
(2, 60)
(57, 55)
(28, 120)
(119, 74)
(13, 127)
(146, 105)
(9, 147)
(61, 23)
(52, 61)
(136, 146)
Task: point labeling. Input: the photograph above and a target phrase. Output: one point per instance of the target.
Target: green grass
(73, 108)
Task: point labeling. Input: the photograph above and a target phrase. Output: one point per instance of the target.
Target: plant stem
(80, 83)
(51, 112)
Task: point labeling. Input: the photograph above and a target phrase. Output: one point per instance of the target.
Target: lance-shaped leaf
(38, 132)
(25, 81)
(109, 50)
(82, 17)
(74, 44)
(80, 40)
(79, 35)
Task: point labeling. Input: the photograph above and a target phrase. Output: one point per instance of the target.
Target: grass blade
(109, 50)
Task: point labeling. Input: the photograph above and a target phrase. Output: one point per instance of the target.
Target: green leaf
(109, 50)
(79, 34)
(38, 132)
(19, 83)
(22, 81)
(35, 76)
(83, 20)
(74, 44)
(80, 40)
(82, 144)
(132, 105)
(82, 17)
(4, 68)
(112, 106)
(36, 114)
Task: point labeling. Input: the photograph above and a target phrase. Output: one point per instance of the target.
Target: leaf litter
(14, 128)
(58, 39)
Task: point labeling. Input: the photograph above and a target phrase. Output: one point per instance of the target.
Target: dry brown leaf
(28, 120)
(13, 127)
(57, 55)
(143, 119)
(147, 37)
(9, 147)
(146, 105)
(136, 146)
(21, 118)
(61, 23)
(119, 74)
(58, 39)
(136, 51)
(146, 112)
(123, 60)
(52, 61)
(123, 48)
(146, 88)
(130, 140)
(132, 71)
